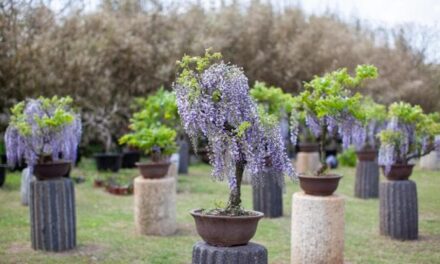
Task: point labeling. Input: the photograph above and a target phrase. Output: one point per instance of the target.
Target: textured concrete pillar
(430, 161)
(26, 177)
(367, 179)
(184, 157)
(399, 210)
(155, 206)
(248, 254)
(52, 215)
(317, 229)
(307, 162)
(268, 195)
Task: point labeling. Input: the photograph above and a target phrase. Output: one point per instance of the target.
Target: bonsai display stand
(317, 229)
(268, 196)
(155, 206)
(399, 209)
(183, 157)
(52, 215)
(251, 253)
(367, 179)
(307, 162)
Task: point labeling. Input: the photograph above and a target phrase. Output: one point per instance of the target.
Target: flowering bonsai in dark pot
(331, 109)
(42, 131)
(410, 134)
(157, 142)
(213, 101)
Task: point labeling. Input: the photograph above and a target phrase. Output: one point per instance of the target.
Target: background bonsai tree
(213, 101)
(373, 118)
(43, 130)
(331, 108)
(409, 134)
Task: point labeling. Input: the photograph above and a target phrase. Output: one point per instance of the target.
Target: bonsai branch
(323, 167)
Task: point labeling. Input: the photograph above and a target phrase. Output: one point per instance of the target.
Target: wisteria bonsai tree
(410, 134)
(330, 107)
(373, 118)
(213, 101)
(43, 130)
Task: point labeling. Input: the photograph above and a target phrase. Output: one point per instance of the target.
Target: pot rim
(326, 176)
(147, 163)
(258, 215)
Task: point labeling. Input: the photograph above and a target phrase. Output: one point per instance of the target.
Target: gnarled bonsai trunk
(235, 194)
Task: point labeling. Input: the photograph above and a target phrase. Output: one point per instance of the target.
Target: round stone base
(267, 197)
(317, 229)
(155, 206)
(367, 180)
(307, 162)
(399, 210)
(52, 215)
(251, 253)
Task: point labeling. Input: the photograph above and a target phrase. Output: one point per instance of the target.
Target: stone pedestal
(248, 254)
(26, 178)
(367, 179)
(430, 161)
(317, 229)
(399, 209)
(307, 162)
(155, 206)
(52, 215)
(184, 157)
(268, 195)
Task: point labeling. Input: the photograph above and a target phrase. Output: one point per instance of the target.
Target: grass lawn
(105, 228)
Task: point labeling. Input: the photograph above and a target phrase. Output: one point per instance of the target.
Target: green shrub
(347, 158)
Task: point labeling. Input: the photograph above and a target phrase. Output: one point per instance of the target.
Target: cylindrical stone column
(251, 253)
(307, 162)
(184, 157)
(268, 195)
(367, 179)
(52, 214)
(155, 206)
(26, 177)
(317, 229)
(399, 210)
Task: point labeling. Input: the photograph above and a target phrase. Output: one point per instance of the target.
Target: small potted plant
(214, 102)
(46, 132)
(410, 134)
(157, 142)
(331, 109)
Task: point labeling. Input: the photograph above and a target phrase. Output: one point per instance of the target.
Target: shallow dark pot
(226, 231)
(130, 158)
(319, 185)
(98, 183)
(2, 174)
(153, 170)
(366, 155)
(308, 147)
(398, 172)
(52, 170)
(108, 161)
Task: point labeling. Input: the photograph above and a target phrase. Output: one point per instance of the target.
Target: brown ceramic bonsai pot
(366, 154)
(52, 170)
(324, 185)
(308, 147)
(398, 172)
(153, 170)
(226, 231)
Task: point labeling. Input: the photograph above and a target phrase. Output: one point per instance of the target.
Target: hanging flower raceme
(213, 102)
(43, 128)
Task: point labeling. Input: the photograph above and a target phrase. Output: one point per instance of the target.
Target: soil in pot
(153, 170)
(2, 174)
(308, 147)
(366, 155)
(52, 170)
(129, 159)
(108, 161)
(398, 172)
(226, 231)
(324, 185)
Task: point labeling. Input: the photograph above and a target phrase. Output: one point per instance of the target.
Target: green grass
(106, 230)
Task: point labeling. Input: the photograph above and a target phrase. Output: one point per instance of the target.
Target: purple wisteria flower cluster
(43, 129)
(214, 102)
